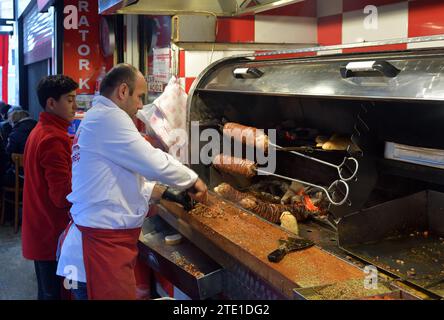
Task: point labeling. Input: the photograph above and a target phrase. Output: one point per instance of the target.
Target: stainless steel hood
(383, 76)
(174, 7)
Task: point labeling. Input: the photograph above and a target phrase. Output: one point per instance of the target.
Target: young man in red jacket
(47, 166)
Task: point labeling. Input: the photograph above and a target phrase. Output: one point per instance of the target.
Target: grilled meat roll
(233, 165)
(250, 136)
(268, 211)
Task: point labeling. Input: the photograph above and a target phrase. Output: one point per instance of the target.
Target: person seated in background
(5, 127)
(4, 107)
(22, 126)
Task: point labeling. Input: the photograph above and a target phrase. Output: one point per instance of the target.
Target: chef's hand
(179, 197)
(199, 191)
(157, 192)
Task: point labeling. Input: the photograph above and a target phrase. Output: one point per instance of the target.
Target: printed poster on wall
(162, 64)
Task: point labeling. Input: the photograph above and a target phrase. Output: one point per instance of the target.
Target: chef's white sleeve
(127, 148)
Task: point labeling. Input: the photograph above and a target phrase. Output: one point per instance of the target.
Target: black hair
(121, 73)
(4, 107)
(54, 87)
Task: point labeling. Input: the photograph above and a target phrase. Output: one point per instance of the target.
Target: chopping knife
(180, 197)
(289, 245)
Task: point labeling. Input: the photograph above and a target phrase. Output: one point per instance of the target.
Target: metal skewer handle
(327, 191)
(342, 168)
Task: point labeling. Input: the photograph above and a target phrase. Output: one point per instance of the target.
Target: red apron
(110, 257)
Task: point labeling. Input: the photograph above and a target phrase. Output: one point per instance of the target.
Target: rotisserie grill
(328, 109)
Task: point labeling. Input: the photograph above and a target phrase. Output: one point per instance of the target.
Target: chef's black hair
(54, 87)
(121, 73)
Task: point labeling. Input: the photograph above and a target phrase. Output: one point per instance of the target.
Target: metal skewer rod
(339, 168)
(325, 190)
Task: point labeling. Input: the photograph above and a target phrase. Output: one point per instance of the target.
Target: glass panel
(37, 32)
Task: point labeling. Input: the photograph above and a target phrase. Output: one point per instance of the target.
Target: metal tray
(183, 264)
(404, 237)
(353, 290)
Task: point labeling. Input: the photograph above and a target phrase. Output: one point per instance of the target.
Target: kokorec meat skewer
(268, 211)
(246, 168)
(228, 192)
(246, 135)
(243, 167)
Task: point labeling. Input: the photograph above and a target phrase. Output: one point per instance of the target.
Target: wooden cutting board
(249, 239)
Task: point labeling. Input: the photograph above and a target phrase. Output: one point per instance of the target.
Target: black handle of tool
(277, 255)
(180, 197)
(379, 66)
(247, 73)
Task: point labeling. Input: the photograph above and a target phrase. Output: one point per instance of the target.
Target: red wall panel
(307, 8)
(330, 30)
(188, 84)
(389, 47)
(426, 17)
(286, 55)
(235, 29)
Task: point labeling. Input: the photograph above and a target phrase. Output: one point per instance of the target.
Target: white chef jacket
(113, 174)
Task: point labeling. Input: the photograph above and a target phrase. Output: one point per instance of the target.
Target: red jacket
(47, 165)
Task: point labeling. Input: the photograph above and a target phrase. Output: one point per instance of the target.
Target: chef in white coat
(113, 176)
